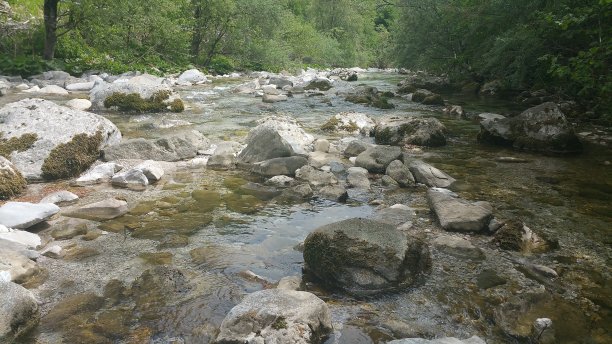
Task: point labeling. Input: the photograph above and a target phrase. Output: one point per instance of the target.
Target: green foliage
(22, 65)
(72, 158)
(134, 102)
(222, 65)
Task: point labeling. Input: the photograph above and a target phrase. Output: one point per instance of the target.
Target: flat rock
(277, 316)
(100, 211)
(60, 198)
(27, 239)
(429, 175)
(22, 215)
(457, 247)
(455, 214)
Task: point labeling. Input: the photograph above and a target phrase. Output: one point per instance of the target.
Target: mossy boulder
(421, 131)
(160, 101)
(37, 132)
(349, 122)
(370, 96)
(365, 257)
(11, 180)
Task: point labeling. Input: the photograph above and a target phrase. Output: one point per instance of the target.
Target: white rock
(54, 252)
(23, 215)
(5, 276)
(99, 174)
(280, 181)
(80, 86)
(27, 239)
(53, 89)
(60, 197)
(33, 89)
(79, 104)
(192, 76)
(290, 130)
(22, 87)
(133, 179)
(152, 170)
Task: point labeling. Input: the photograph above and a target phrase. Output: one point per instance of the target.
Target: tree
(50, 15)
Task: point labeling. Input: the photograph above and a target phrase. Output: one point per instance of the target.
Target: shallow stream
(195, 243)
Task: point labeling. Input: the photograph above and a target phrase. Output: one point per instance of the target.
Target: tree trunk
(50, 12)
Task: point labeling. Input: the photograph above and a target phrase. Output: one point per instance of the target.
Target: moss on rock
(72, 158)
(134, 102)
(11, 184)
(19, 144)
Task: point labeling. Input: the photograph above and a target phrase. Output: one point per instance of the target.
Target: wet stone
(488, 279)
(157, 258)
(173, 241)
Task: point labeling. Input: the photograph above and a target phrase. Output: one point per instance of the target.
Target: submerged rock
(99, 211)
(365, 257)
(455, 214)
(23, 215)
(542, 128)
(55, 141)
(410, 130)
(277, 316)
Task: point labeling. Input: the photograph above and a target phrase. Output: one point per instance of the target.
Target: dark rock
(355, 148)
(543, 128)
(375, 159)
(365, 257)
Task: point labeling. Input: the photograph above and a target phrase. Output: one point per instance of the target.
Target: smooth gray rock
(99, 211)
(22, 215)
(264, 143)
(315, 177)
(133, 179)
(444, 340)
(279, 166)
(365, 257)
(375, 159)
(277, 316)
(429, 175)
(543, 128)
(53, 125)
(18, 311)
(420, 131)
(80, 86)
(455, 214)
(98, 174)
(335, 193)
(396, 215)
(358, 178)
(60, 198)
(400, 173)
(355, 148)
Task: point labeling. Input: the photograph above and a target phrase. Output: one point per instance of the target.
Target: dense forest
(564, 46)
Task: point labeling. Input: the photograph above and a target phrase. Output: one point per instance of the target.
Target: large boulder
(542, 128)
(421, 131)
(280, 82)
(423, 80)
(455, 214)
(375, 159)
(264, 143)
(290, 130)
(277, 316)
(23, 215)
(11, 180)
(429, 175)
(320, 84)
(169, 148)
(350, 123)
(192, 76)
(18, 311)
(54, 141)
(365, 257)
(146, 86)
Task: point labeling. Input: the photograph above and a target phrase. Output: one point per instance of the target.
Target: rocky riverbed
(310, 208)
